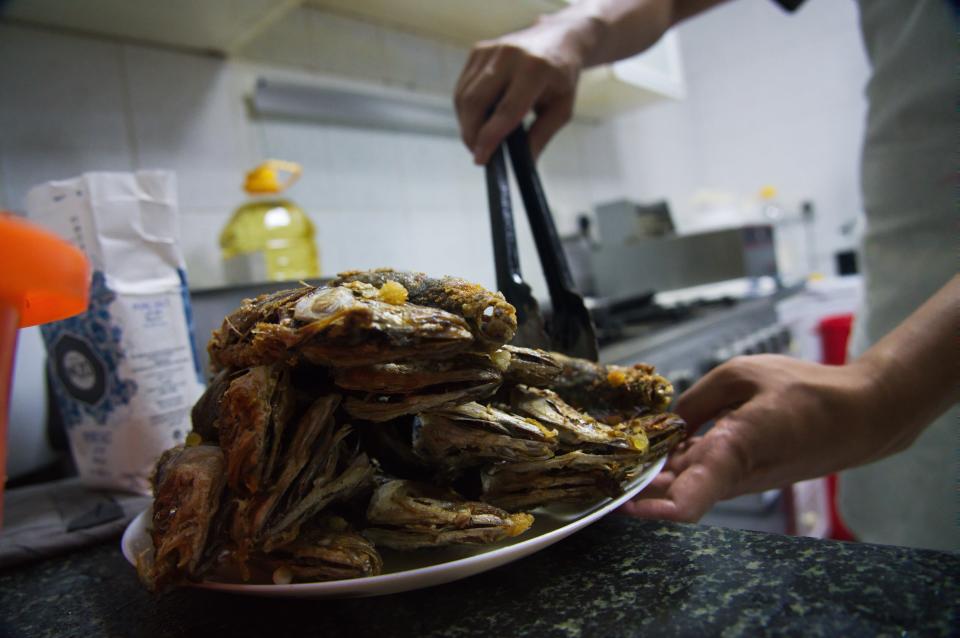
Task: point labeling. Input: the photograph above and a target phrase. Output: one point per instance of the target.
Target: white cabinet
(225, 26)
(652, 75)
(222, 26)
(459, 21)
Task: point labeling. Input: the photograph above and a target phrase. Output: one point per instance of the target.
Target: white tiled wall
(376, 198)
(413, 201)
(186, 114)
(773, 99)
(60, 109)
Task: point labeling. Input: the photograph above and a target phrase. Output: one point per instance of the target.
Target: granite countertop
(618, 577)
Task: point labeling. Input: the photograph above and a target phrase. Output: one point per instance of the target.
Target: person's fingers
(550, 119)
(657, 508)
(715, 468)
(720, 390)
(657, 489)
(478, 96)
(476, 58)
(659, 485)
(479, 57)
(515, 103)
(682, 456)
(688, 498)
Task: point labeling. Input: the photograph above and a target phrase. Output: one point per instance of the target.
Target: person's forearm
(610, 30)
(915, 370)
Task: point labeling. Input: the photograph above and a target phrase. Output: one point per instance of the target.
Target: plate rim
(351, 586)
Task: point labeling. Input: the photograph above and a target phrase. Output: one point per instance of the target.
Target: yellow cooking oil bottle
(269, 238)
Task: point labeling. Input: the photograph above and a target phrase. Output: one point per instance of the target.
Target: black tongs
(570, 329)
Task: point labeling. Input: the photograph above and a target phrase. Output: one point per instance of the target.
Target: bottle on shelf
(789, 238)
(269, 238)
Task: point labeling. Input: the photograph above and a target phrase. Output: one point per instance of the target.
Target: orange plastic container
(44, 279)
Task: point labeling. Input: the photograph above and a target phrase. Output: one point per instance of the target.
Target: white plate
(414, 570)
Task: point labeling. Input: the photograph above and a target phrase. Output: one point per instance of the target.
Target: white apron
(910, 250)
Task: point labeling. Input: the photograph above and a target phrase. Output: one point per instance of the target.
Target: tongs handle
(571, 327)
(552, 258)
(530, 330)
(506, 254)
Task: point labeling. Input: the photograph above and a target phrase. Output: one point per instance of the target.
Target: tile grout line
(129, 119)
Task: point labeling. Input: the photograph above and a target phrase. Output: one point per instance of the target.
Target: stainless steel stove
(687, 341)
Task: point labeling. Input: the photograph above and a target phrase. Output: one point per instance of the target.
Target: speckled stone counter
(619, 577)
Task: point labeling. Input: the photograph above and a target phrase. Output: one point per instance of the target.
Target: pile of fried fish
(387, 409)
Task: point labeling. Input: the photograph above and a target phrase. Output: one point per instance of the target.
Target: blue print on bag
(84, 353)
(185, 296)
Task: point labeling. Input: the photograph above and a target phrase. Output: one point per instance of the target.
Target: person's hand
(505, 78)
(778, 420)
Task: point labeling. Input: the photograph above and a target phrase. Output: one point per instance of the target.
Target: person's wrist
(580, 35)
(880, 401)
(586, 35)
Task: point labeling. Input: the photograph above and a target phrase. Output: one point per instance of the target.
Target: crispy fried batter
(492, 320)
(304, 420)
(611, 393)
(322, 553)
(229, 345)
(410, 515)
(343, 326)
(187, 487)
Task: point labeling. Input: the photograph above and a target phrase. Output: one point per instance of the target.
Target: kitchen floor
(758, 513)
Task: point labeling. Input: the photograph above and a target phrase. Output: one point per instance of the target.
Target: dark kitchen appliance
(673, 262)
(624, 221)
(686, 341)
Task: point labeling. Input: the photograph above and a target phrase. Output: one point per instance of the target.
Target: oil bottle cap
(768, 192)
(264, 178)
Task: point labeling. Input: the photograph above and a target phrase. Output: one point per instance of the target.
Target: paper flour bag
(126, 372)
